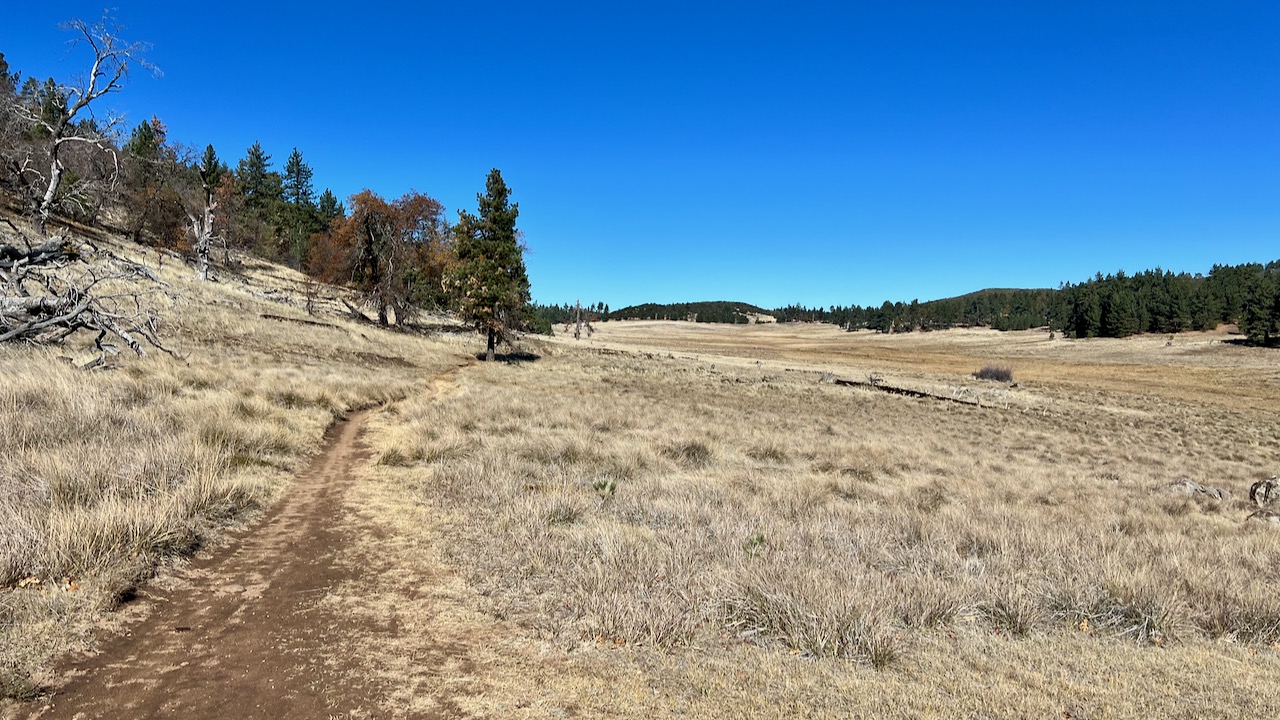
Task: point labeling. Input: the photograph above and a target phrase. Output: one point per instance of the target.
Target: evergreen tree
(211, 169)
(489, 284)
(1119, 313)
(296, 184)
(1261, 318)
(149, 196)
(8, 81)
(329, 207)
(258, 184)
(259, 205)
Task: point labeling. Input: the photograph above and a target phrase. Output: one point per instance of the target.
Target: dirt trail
(247, 635)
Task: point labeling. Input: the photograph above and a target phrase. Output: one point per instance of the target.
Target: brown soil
(245, 631)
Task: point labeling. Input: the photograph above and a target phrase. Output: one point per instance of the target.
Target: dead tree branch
(112, 58)
(53, 291)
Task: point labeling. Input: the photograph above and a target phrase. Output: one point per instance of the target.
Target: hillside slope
(108, 476)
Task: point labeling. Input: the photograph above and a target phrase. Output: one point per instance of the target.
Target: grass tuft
(694, 455)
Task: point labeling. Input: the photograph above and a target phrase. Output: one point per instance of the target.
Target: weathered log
(282, 318)
(32, 307)
(53, 251)
(1191, 487)
(875, 383)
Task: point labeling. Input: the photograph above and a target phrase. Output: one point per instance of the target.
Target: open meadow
(668, 518)
(694, 520)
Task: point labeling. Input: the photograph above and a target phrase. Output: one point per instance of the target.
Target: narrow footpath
(248, 634)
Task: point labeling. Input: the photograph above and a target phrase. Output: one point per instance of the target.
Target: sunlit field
(672, 518)
(678, 519)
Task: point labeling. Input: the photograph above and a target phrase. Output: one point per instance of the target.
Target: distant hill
(717, 311)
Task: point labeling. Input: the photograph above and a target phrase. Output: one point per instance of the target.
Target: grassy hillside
(107, 476)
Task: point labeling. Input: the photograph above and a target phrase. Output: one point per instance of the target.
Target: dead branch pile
(1194, 489)
(1265, 493)
(51, 291)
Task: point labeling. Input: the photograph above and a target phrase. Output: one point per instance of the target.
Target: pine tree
(259, 186)
(211, 169)
(8, 80)
(259, 205)
(296, 183)
(149, 196)
(489, 284)
(329, 207)
(299, 218)
(1261, 318)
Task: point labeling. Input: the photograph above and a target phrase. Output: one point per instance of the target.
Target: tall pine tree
(299, 217)
(296, 183)
(489, 284)
(258, 184)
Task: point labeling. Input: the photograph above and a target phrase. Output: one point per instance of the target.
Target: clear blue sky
(819, 153)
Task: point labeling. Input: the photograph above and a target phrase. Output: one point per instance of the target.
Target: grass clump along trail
(673, 518)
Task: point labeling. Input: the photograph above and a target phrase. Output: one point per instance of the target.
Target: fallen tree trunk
(43, 300)
(51, 252)
(908, 392)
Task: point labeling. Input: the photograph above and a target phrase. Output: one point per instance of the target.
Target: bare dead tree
(112, 58)
(197, 183)
(51, 291)
(202, 230)
(580, 319)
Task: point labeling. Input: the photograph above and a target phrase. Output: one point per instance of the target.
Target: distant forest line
(1117, 305)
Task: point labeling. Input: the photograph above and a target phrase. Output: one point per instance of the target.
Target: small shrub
(16, 681)
(930, 498)
(998, 373)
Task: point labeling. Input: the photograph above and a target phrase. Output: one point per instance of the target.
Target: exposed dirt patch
(251, 630)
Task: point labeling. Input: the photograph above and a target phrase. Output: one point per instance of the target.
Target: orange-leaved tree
(393, 252)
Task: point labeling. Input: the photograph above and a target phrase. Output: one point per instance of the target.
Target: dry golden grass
(676, 528)
(678, 519)
(106, 476)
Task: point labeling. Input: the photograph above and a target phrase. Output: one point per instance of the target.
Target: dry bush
(998, 373)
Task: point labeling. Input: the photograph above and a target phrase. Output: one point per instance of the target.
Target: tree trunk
(202, 229)
(55, 179)
(493, 337)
